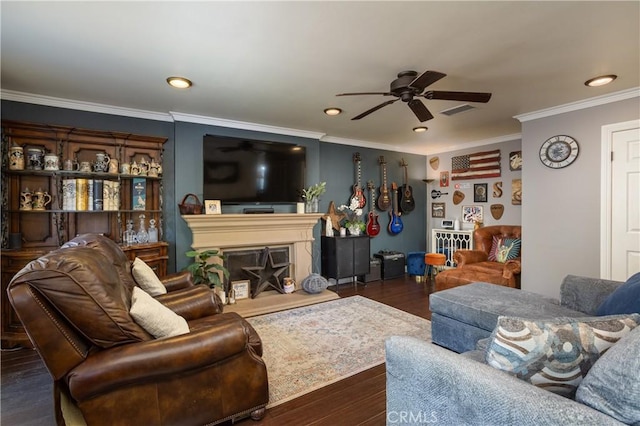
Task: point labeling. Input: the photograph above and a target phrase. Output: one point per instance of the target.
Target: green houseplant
(206, 267)
(312, 195)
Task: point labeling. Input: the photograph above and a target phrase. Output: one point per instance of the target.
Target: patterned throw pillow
(503, 249)
(555, 354)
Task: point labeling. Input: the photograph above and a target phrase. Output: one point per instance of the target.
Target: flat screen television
(245, 171)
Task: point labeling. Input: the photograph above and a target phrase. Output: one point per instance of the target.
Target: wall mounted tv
(245, 171)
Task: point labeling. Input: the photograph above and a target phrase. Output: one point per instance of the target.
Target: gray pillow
(612, 386)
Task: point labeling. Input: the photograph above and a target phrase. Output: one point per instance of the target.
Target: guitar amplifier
(392, 263)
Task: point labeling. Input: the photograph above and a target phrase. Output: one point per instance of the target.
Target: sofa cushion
(82, 285)
(147, 279)
(154, 317)
(612, 386)
(503, 249)
(624, 300)
(480, 304)
(555, 354)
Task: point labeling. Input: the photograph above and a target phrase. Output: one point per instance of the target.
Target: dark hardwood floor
(26, 387)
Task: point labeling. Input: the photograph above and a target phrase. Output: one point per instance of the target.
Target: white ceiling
(281, 63)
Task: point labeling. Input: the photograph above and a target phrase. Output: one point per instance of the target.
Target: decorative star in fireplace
(267, 275)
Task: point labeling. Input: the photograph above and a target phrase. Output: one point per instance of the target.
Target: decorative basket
(190, 208)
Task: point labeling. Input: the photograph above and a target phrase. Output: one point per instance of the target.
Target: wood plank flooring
(26, 387)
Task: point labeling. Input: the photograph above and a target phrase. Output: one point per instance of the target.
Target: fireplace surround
(229, 232)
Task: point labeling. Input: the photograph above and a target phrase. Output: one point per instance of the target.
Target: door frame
(605, 191)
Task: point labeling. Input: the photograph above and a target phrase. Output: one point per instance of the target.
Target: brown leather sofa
(74, 304)
(474, 265)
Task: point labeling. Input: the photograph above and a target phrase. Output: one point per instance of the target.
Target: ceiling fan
(409, 86)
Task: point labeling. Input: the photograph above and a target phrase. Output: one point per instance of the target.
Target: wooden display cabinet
(45, 230)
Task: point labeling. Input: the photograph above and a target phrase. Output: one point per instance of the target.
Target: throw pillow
(503, 249)
(554, 354)
(624, 300)
(613, 384)
(154, 317)
(147, 279)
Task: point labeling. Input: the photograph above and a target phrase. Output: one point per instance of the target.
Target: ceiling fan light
(332, 111)
(600, 80)
(179, 82)
(420, 129)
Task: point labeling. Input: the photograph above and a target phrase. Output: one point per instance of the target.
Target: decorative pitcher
(41, 199)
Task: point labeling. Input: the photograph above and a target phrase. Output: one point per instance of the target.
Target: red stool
(434, 262)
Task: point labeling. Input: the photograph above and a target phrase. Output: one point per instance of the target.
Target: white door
(625, 203)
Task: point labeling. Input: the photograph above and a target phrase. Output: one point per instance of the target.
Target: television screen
(238, 170)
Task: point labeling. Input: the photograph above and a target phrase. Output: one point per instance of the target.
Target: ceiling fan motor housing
(400, 86)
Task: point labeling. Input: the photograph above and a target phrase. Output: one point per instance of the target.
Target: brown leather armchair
(74, 304)
(474, 265)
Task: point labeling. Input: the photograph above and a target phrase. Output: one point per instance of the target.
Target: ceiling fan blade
(365, 93)
(420, 110)
(458, 96)
(427, 78)
(374, 109)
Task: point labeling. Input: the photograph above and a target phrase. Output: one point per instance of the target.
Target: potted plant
(353, 219)
(205, 269)
(312, 195)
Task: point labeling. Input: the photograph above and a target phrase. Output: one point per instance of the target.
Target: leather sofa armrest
(192, 303)
(153, 360)
(465, 257)
(511, 268)
(177, 281)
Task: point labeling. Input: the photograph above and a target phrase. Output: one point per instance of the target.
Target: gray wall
(561, 211)
(512, 213)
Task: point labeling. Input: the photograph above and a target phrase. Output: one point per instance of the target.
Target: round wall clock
(559, 151)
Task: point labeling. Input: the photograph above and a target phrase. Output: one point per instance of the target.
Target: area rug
(311, 347)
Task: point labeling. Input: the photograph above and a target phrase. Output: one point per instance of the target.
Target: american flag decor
(476, 166)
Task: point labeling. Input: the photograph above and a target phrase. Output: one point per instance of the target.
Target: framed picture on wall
(472, 214)
(480, 193)
(437, 209)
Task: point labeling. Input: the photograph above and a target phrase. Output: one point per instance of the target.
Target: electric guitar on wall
(358, 193)
(395, 224)
(373, 227)
(407, 203)
(384, 201)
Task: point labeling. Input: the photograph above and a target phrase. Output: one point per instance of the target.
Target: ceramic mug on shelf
(16, 158)
(41, 199)
(102, 162)
(125, 168)
(113, 166)
(51, 162)
(35, 158)
(85, 166)
(70, 165)
(26, 199)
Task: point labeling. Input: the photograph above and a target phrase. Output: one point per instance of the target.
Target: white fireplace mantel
(242, 231)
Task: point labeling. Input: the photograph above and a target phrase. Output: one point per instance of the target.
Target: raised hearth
(228, 232)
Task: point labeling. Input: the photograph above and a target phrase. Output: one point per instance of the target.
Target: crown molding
(366, 144)
(244, 125)
(575, 106)
(491, 141)
(51, 101)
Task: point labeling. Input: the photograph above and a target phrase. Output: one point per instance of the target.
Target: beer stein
(144, 167)
(135, 169)
(125, 168)
(35, 158)
(113, 166)
(51, 162)
(26, 199)
(85, 166)
(102, 162)
(16, 157)
(154, 168)
(41, 199)
(71, 165)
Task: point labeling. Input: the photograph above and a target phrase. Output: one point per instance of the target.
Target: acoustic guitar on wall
(407, 203)
(358, 193)
(395, 223)
(373, 227)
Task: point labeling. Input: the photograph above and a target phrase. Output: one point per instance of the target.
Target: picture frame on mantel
(212, 207)
(242, 289)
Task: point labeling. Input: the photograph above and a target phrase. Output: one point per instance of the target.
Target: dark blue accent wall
(182, 168)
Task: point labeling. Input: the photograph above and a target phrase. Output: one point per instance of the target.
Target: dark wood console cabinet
(345, 257)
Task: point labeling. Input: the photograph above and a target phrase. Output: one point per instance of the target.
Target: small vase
(311, 206)
(355, 230)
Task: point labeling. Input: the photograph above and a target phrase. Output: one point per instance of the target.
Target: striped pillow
(554, 354)
(503, 249)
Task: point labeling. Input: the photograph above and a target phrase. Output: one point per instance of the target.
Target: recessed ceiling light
(179, 82)
(600, 81)
(332, 111)
(420, 129)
